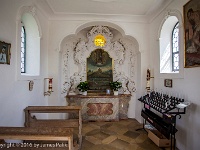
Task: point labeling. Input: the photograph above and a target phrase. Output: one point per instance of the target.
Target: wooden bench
(32, 121)
(41, 133)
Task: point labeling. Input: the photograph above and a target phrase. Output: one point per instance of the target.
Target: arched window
(23, 49)
(29, 50)
(175, 48)
(169, 46)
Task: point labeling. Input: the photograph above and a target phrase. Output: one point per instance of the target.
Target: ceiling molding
(48, 7)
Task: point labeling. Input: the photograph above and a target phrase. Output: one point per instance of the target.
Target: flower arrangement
(83, 86)
(115, 85)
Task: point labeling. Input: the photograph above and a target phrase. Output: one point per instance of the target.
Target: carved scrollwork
(100, 30)
(128, 85)
(74, 81)
(121, 51)
(66, 87)
(103, 30)
(68, 48)
(79, 51)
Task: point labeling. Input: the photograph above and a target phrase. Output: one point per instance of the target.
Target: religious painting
(5, 53)
(99, 70)
(191, 11)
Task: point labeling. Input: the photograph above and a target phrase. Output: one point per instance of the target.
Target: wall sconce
(48, 86)
(148, 80)
(31, 83)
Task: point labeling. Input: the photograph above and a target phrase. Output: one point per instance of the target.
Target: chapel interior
(60, 61)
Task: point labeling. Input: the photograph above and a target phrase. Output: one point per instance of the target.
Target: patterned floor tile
(101, 136)
(132, 147)
(148, 145)
(141, 138)
(109, 139)
(86, 129)
(121, 135)
(86, 144)
(120, 144)
(102, 147)
(125, 122)
(93, 140)
(125, 138)
(119, 129)
(109, 132)
(93, 132)
(107, 125)
(131, 134)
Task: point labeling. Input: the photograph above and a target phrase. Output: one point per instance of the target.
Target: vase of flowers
(115, 86)
(83, 87)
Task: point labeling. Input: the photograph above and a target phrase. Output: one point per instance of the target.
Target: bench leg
(71, 144)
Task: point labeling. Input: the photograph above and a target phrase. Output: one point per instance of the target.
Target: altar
(101, 107)
(98, 60)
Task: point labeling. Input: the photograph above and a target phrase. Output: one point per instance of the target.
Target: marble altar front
(101, 107)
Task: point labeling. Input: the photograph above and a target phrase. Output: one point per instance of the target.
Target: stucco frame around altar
(122, 50)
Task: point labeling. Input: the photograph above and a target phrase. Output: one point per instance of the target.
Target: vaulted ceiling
(146, 9)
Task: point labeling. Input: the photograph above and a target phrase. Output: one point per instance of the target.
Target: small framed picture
(5, 53)
(168, 82)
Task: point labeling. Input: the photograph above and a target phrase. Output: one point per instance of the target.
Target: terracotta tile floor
(120, 135)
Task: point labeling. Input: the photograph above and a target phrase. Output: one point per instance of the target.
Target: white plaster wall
(15, 94)
(147, 37)
(187, 84)
(63, 28)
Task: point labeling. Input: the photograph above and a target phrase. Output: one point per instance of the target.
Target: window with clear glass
(30, 46)
(175, 48)
(23, 49)
(28, 41)
(169, 46)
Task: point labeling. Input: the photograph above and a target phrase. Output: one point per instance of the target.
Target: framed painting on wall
(5, 53)
(99, 70)
(191, 12)
(168, 82)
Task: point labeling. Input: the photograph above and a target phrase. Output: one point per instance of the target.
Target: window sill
(28, 77)
(172, 75)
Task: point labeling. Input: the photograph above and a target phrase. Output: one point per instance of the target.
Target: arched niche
(75, 49)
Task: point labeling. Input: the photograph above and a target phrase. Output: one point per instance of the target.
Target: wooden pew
(32, 121)
(41, 133)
